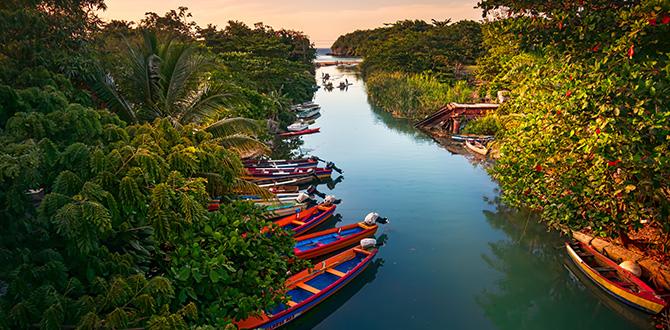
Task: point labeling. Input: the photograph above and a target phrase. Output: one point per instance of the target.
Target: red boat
(298, 133)
(331, 240)
(615, 280)
(303, 162)
(262, 175)
(305, 220)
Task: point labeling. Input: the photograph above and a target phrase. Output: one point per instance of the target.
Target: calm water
(454, 257)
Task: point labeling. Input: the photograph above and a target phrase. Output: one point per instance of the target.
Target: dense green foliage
(416, 47)
(103, 218)
(413, 96)
(413, 68)
(591, 89)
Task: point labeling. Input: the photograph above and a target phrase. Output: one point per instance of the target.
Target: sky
(322, 21)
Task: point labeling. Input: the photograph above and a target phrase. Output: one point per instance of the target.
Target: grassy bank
(413, 96)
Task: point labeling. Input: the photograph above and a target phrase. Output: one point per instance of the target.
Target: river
(453, 256)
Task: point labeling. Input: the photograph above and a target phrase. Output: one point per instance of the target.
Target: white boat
(297, 126)
(308, 113)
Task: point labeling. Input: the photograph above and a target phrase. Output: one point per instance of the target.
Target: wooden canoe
(310, 287)
(476, 147)
(331, 240)
(271, 210)
(281, 162)
(268, 183)
(284, 189)
(616, 281)
(301, 222)
(270, 170)
(319, 173)
(299, 133)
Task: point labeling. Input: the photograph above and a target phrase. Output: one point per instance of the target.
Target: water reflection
(525, 298)
(403, 126)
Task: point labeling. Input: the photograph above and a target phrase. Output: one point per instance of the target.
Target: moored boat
(299, 133)
(463, 137)
(615, 280)
(301, 222)
(270, 182)
(476, 147)
(270, 210)
(308, 113)
(311, 286)
(297, 126)
(278, 163)
(314, 173)
(330, 240)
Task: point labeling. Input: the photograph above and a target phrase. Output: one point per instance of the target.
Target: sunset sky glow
(322, 21)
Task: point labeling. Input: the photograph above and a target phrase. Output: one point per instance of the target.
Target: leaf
(183, 274)
(214, 275)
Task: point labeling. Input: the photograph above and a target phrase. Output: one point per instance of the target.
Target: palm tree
(169, 80)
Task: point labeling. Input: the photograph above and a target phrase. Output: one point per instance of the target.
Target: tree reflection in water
(525, 298)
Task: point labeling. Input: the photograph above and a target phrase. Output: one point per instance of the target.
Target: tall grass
(413, 96)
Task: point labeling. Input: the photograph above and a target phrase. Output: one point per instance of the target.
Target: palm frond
(180, 70)
(232, 126)
(249, 188)
(145, 76)
(106, 90)
(244, 145)
(205, 103)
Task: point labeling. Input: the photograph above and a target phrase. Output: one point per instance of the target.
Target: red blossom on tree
(538, 168)
(631, 51)
(652, 21)
(597, 130)
(568, 93)
(613, 163)
(596, 47)
(665, 19)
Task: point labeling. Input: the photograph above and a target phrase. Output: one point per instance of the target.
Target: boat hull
(301, 222)
(299, 133)
(358, 231)
(475, 149)
(643, 301)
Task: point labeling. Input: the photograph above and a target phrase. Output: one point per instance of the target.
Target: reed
(413, 96)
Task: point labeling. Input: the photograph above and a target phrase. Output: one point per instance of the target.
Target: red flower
(558, 112)
(597, 130)
(568, 93)
(538, 168)
(631, 51)
(613, 162)
(652, 21)
(560, 25)
(596, 47)
(665, 19)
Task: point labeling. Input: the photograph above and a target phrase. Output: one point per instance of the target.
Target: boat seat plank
(308, 288)
(299, 223)
(291, 303)
(335, 272)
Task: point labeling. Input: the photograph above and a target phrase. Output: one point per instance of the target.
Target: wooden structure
(334, 63)
(450, 117)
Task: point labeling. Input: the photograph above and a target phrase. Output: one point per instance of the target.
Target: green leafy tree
(591, 83)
